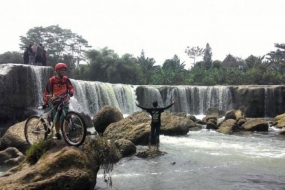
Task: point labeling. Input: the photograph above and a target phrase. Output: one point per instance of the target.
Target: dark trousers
(154, 133)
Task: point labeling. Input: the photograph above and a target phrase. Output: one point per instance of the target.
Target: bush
(35, 152)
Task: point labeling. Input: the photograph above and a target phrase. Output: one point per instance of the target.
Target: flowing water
(206, 160)
(201, 159)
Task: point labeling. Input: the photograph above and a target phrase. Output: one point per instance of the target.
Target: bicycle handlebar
(62, 96)
(50, 96)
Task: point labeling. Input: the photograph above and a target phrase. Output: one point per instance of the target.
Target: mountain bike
(72, 126)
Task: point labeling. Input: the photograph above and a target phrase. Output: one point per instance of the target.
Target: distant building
(233, 62)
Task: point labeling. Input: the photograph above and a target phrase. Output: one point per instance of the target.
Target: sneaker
(57, 136)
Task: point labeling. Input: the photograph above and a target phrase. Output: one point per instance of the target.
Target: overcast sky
(162, 28)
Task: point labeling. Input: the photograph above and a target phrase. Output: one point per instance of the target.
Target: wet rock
(106, 116)
(11, 156)
(152, 153)
(258, 124)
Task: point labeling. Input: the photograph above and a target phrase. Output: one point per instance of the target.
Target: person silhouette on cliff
(155, 113)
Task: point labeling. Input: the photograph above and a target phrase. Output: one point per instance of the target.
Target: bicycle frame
(45, 116)
(71, 123)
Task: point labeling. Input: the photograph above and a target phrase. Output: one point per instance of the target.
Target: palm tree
(147, 68)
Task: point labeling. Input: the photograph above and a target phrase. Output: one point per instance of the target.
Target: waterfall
(90, 97)
(196, 99)
(22, 87)
(40, 76)
(265, 101)
(36, 74)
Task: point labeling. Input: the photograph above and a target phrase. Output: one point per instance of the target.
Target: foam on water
(219, 144)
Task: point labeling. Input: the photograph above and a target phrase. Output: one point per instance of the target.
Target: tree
(147, 68)
(174, 71)
(106, 66)
(277, 58)
(194, 52)
(100, 62)
(11, 57)
(59, 44)
(253, 61)
(217, 64)
(207, 57)
(124, 70)
(280, 53)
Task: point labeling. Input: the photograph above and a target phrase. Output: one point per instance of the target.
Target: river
(206, 160)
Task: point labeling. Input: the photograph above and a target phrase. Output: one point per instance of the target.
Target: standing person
(155, 113)
(58, 85)
(31, 55)
(26, 56)
(39, 54)
(34, 49)
(44, 57)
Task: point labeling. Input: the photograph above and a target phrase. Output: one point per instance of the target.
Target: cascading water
(36, 72)
(90, 97)
(265, 101)
(195, 100)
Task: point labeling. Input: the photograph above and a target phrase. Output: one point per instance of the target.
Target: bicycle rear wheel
(73, 129)
(35, 129)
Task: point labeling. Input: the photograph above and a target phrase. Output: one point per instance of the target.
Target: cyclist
(58, 85)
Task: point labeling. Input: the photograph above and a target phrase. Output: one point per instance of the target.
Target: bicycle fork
(47, 129)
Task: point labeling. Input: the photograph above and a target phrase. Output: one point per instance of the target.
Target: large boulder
(258, 124)
(126, 147)
(11, 156)
(172, 124)
(15, 137)
(227, 126)
(279, 120)
(135, 127)
(106, 116)
(230, 114)
(60, 167)
(239, 114)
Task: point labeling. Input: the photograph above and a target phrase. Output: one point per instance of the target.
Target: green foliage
(277, 58)
(207, 57)
(272, 78)
(173, 71)
(11, 57)
(35, 152)
(104, 153)
(105, 65)
(62, 45)
(217, 64)
(147, 68)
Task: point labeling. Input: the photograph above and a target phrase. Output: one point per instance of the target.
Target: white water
(90, 97)
(206, 160)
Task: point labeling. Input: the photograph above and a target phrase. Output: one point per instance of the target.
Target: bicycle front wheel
(73, 129)
(35, 130)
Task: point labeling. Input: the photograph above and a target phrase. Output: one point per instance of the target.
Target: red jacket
(58, 87)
